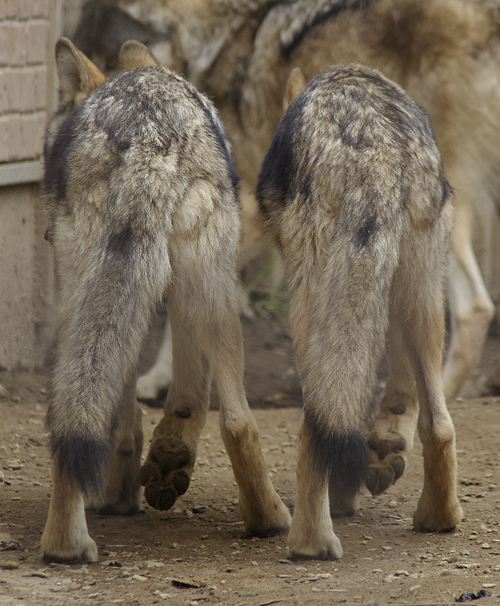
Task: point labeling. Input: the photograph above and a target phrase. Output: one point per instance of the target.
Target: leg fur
(471, 308)
(66, 538)
(261, 508)
(167, 471)
(391, 439)
(160, 375)
(311, 533)
(122, 493)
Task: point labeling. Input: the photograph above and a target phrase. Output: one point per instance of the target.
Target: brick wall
(24, 34)
(28, 29)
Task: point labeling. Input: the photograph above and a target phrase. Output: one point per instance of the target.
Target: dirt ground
(197, 553)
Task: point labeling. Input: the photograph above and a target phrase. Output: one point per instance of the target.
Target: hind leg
(159, 377)
(471, 312)
(66, 537)
(311, 532)
(391, 438)
(261, 508)
(438, 507)
(167, 470)
(420, 293)
(122, 493)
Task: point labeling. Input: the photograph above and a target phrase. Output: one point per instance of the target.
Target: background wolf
(141, 192)
(353, 191)
(444, 53)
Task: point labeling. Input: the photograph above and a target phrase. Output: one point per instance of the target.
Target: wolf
(353, 191)
(444, 53)
(142, 198)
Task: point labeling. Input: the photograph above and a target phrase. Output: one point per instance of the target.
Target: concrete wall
(28, 29)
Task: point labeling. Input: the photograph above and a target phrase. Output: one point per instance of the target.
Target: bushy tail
(102, 324)
(345, 336)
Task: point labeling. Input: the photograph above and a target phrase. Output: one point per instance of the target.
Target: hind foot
(166, 473)
(391, 441)
(443, 518)
(387, 463)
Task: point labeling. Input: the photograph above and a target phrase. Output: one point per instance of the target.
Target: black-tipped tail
(81, 460)
(343, 454)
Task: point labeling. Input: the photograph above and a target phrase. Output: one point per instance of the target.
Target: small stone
(254, 563)
(485, 546)
(414, 588)
(174, 545)
(387, 548)
(10, 565)
(489, 585)
(139, 577)
(393, 504)
(402, 573)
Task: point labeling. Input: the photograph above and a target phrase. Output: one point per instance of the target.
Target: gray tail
(102, 326)
(346, 337)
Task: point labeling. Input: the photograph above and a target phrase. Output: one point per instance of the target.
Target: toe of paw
(379, 478)
(382, 448)
(149, 472)
(160, 497)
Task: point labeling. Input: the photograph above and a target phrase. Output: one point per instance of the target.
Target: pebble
(139, 577)
(485, 546)
(402, 573)
(387, 548)
(393, 504)
(414, 588)
(199, 509)
(489, 585)
(10, 565)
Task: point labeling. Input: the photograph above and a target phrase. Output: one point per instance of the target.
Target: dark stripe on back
(324, 14)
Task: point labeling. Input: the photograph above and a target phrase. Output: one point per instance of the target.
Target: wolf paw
(387, 463)
(324, 547)
(62, 549)
(166, 474)
(437, 514)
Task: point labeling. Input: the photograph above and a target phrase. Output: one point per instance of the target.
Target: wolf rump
(444, 53)
(353, 191)
(141, 192)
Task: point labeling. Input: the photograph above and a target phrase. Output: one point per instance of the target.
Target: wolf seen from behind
(142, 199)
(353, 191)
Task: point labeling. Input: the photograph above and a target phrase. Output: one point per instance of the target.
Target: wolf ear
(295, 83)
(134, 54)
(78, 76)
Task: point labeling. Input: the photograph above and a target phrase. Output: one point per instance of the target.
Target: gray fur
(352, 188)
(118, 172)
